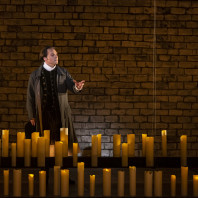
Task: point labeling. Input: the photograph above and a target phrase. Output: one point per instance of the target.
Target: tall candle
(183, 145)
(132, 181)
(56, 180)
(94, 151)
(52, 150)
(35, 136)
(27, 160)
(64, 139)
(158, 183)
(20, 144)
(47, 142)
(75, 154)
(148, 183)
(80, 178)
(106, 182)
(31, 184)
(17, 182)
(5, 143)
(120, 183)
(42, 183)
(173, 185)
(92, 185)
(41, 152)
(64, 183)
(144, 145)
(6, 182)
(149, 151)
(124, 154)
(184, 181)
(58, 153)
(195, 185)
(99, 145)
(13, 154)
(164, 143)
(131, 144)
(116, 145)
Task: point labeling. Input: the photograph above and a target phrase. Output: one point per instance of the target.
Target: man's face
(52, 57)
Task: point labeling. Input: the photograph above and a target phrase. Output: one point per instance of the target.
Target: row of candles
(61, 182)
(40, 147)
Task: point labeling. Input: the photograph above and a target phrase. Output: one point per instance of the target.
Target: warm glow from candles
(58, 153)
(106, 182)
(195, 185)
(41, 152)
(149, 151)
(42, 183)
(17, 182)
(64, 183)
(31, 184)
(183, 145)
(75, 154)
(144, 145)
(64, 139)
(124, 154)
(116, 145)
(120, 183)
(20, 144)
(94, 151)
(27, 152)
(6, 182)
(92, 185)
(35, 136)
(164, 143)
(80, 170)
(173, 185)
(132, 181)
(99, 145)
(56, 180)
(158, 183)
(184, 181)
(5, 143)
(131, 144)
(148, 183)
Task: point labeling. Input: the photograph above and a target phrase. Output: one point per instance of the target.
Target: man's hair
(43, 52)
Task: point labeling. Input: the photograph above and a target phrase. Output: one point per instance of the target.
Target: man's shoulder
(62, 70)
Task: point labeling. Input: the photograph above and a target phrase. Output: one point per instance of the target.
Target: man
(47, 97)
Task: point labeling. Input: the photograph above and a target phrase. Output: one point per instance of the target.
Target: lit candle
(41, 152)
(183, 145)
(35, 136)
(20, 144)
(13, 154)
(80, 178)
(17, 182)
(144, 145)
(184, 181)
(64, 183)
(75, 154)
(124, 155)
(148, 183)
(31, 184)
(27, 158)
(120, 183)
(64, 139)
(131, 144)
(173, 185)
(56, 180)
(132, 181)
(164, 143)
(42, 183)
(149, 151)
(94, 151)
(195, 185)
(99, 145)
(5, 143)
(47, 142)
(6, 182)
(158, 183)
(52, 152)
(58, 153)
(92, 185)
(106, 182)
(116, 145)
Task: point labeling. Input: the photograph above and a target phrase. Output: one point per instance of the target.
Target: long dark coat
(34, 97)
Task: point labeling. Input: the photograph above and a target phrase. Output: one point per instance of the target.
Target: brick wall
(133, 85)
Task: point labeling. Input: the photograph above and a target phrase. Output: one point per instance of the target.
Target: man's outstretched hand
(79, 85)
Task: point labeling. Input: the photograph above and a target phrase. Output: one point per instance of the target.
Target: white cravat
(47, 67)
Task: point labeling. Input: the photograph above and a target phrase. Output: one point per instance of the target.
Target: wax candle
(120, 183)
(27, 160)
(17, 182)
(116, 145)
(195, 185)
(5, 143)
(149, 151)
(35, 136)
(58, 153)
(52, 150)
(75, 154)
(124, 155)
(80, 178)
(20, 144)
(164, 143)
(132, 181)
(183, 145)
(13, 154)
(148, 183)
(64, 183)
(131, 144)
(64, 139)
(6, 182)
(31, 184)
(42, 183)
(56, 180)
(106, 182)
(99, 145)
(41, 152)
(173, 185)
(92, 185)
(47, 142)
(184, 181)
(144, 145)
(94, 151)
(158, 183)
